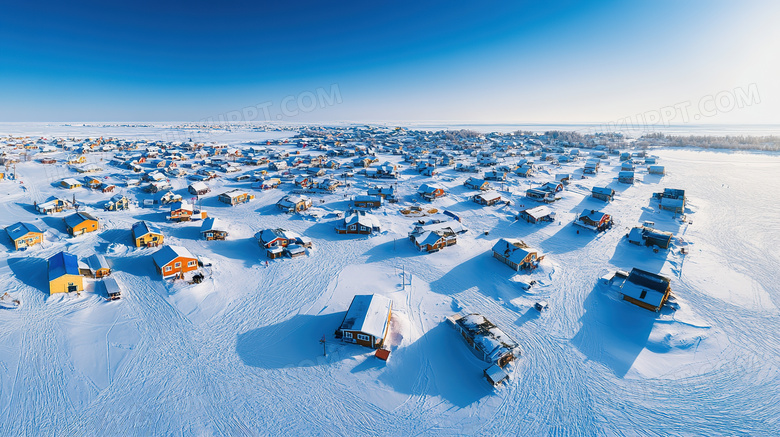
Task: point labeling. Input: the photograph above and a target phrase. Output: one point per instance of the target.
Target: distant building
(235, 197)
(647, 236)
(603, 193)
(291, 204)
(359, 224)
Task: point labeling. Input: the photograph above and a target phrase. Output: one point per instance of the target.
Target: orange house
(80, 223)
(174, 261)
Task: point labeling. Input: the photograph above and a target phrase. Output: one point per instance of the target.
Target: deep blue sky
(489, 61)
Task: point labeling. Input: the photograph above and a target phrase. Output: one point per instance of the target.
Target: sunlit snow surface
(240, 353)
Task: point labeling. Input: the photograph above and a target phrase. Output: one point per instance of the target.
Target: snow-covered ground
(240, 353)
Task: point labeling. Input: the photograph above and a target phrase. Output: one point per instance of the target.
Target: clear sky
(479, 61)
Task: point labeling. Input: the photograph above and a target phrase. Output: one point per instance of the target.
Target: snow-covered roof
(77, 218)
(142, 228)
(645, 287)
(169, 253)
(368, 313)
(199, 186)
(19, 229)
(592, 214)
(513, 249)
(97, 262)
(538, 212)
(367, 220)
(489, 195)
(211, 224)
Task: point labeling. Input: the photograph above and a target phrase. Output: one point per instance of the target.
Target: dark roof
(648, 280)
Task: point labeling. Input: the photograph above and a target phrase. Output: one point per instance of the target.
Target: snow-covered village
(385, 278)
(406, 218)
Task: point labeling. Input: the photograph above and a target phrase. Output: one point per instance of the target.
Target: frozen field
(240, 353)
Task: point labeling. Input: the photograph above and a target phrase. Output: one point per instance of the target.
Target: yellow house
(146, 235)
(64, 274)
(24, 235)
(80, 159)
(70, 183)
(80, 223)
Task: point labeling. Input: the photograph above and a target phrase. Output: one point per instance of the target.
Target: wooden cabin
(431, 192)
(362, 224)
(594, 220)
(291, 204)
(477, 184)
(516, 254)
(365, 201)
(488, 198)
(213, 229)
(367, 321)
(626, 177)
(540, 195)
(646, 290)
(602, 193)
(198, 188)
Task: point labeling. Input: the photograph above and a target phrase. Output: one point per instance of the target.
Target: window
(363, 337)
(191, 264)
(347, 335)
(643, 294)
(167, 268)
(177, 265)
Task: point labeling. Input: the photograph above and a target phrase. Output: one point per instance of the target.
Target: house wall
(506, 261)
(146, 240)
(29, 239)
(60, 285)
(641, 304)
(174, 270)
(84, 227)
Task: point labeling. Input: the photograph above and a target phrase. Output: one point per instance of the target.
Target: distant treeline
(765, 143)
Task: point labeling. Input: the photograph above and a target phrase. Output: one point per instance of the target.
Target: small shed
(112, 287)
